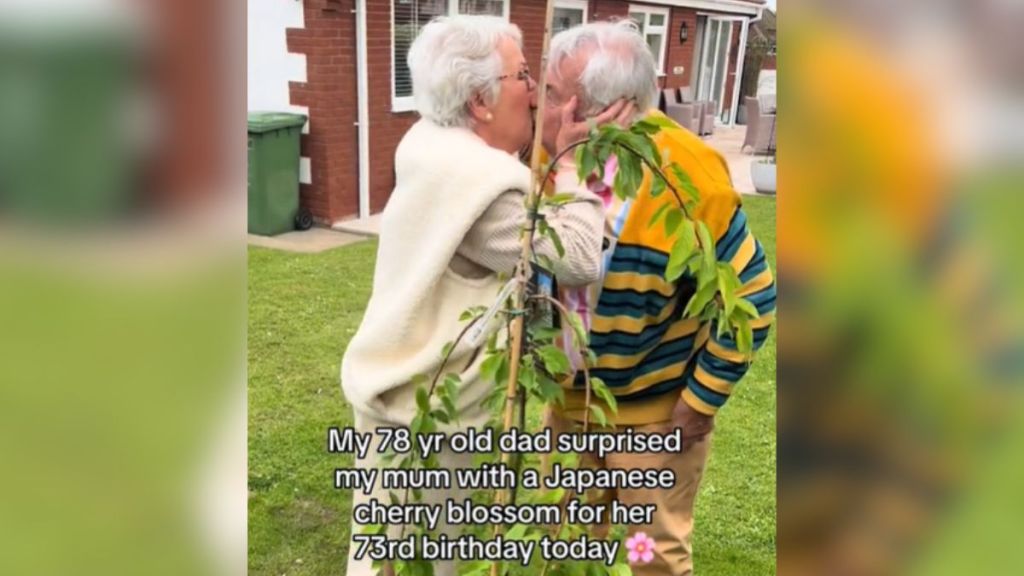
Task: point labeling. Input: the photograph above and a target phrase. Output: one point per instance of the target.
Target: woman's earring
(489, 117)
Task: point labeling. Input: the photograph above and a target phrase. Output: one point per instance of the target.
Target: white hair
(620, 64)
(452, 60)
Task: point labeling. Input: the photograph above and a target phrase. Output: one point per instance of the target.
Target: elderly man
(666, 372)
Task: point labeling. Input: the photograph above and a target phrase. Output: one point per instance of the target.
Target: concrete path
(728, 141)
(310, 241)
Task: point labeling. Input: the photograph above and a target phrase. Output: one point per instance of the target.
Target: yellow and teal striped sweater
(646, 352)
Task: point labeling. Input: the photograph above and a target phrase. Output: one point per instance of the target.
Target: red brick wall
(529, 16)
(608, 10)
(386, 127)
(328, 41)
(680, 54)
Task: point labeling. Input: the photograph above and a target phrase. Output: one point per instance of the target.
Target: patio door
(714, 65)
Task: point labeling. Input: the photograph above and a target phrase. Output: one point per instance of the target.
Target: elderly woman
(452, 225)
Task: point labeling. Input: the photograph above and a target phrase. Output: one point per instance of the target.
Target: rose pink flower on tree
(641, 548)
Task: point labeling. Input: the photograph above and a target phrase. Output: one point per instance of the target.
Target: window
(653, 23)
(408, 17)
(568, 13)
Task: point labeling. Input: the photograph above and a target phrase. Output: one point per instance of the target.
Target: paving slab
(307, 241)
(359, 226)
(728, 142)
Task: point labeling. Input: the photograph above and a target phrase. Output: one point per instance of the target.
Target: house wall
(680, 54)
(270, 67)
(386, 127)
(329, 45)
(310, 47)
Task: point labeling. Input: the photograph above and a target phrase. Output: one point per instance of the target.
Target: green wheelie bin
(274, 171)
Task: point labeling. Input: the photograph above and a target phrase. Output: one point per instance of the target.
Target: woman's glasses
(523, 74)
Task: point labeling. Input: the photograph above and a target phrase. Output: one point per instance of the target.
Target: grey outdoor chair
(708, 110)
(686, 115)
(760, 135)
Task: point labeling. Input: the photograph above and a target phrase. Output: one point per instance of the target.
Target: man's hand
(694, 424)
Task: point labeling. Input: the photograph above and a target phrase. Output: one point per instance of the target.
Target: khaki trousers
(671, 524)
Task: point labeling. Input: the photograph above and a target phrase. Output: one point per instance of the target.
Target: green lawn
(303, 308)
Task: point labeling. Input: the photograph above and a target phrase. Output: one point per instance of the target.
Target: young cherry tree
(526, 360)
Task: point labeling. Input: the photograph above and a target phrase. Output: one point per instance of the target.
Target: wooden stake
(523, 272)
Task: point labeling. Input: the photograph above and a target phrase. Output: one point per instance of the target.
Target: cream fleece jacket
(456, 199)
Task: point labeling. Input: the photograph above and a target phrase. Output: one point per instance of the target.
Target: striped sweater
(646, 352)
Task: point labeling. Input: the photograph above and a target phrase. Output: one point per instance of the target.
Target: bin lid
(260, 122)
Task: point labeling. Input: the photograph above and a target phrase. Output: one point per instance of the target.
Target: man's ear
(478, 110)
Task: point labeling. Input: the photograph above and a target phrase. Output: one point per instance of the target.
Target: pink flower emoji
(641, 548)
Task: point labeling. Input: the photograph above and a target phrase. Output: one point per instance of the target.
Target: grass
(304, 308)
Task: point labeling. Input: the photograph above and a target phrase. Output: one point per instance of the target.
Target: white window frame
(583, 5)
(408, 103)
(646, 28)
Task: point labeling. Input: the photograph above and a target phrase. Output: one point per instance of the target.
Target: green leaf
(682, 250)
(744, 335)
(728, 284)
(554, 359)
(471, 313)
(429, 425)
(449, 406)
(545, 333)
(707, 244)
(657, 185)
(604, 393)
(580, 337)
(722, 323)
(556, 241)
(684, 182)
(441, 416)
(660, 122)
(599, 416)
(586, 161)
(700, 300)
(528, 377)
(549, 390)
(744, 305)
(491, 367)
(502, 374)
(560, 199)
(620, 570)
(672, 221)
(451, 385)
(372, 529)
(516, 533)
(545, 262)
(422, 399)
(629, 175)
(644, 127)
(658, 214)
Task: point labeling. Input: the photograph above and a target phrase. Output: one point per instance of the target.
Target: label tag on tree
(476, 335)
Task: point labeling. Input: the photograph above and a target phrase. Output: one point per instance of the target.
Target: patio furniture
(708, 110)
(760, 135)
(686, 115)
